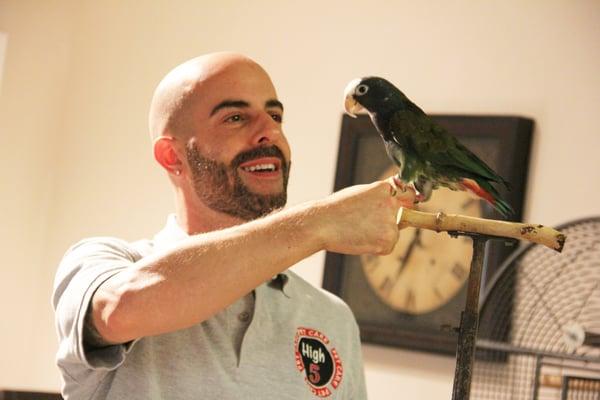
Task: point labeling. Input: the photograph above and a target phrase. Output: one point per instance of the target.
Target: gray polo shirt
(285, 340)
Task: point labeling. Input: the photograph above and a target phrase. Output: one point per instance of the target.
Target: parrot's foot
(419, 197)
(399, 184)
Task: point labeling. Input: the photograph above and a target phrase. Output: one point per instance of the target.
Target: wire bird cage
(539, 334)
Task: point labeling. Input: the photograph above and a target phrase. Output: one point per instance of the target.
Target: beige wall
(78, 77)
(32, 99)
(3, 38)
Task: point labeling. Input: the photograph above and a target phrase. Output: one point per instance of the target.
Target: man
(207, 309)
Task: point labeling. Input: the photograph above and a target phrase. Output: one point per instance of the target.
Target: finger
(406, 198)
(393, 186)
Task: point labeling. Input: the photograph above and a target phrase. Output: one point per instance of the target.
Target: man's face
(238, 157)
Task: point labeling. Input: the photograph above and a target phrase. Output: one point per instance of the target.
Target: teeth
(260, 167)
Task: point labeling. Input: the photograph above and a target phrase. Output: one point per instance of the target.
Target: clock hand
(415, 242)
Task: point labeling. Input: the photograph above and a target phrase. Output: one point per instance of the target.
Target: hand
(362, 219)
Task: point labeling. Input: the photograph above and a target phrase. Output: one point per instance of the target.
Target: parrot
(427, 155)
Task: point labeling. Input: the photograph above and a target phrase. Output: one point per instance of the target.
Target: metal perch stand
(480, 231)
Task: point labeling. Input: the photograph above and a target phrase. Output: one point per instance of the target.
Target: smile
(261, 168)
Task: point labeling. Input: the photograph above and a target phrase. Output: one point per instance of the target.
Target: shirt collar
(172, 233)
(281, 282)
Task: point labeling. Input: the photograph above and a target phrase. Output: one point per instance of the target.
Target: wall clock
(413, 297)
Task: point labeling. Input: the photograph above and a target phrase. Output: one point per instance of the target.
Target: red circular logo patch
(318, 361)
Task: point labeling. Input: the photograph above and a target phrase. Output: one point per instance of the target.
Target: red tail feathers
(472, 186)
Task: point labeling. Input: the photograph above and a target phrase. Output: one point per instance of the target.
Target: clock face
(426, 269)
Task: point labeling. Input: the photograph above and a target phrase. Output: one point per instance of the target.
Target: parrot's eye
(361, 89)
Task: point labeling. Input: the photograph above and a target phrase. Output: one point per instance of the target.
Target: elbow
(110, 317)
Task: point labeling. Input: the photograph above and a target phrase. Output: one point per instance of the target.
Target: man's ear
(166, 155)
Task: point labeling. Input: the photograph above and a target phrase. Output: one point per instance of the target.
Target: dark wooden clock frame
(503, 142)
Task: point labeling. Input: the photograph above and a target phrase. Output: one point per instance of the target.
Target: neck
(195, 217)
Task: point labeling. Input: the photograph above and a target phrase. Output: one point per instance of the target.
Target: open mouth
(262, 166)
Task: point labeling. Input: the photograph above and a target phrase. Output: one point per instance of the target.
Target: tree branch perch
(536, 233)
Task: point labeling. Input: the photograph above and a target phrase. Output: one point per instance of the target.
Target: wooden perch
(577, 383)
(461, 223)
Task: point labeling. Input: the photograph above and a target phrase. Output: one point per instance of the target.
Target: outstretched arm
(188, 284)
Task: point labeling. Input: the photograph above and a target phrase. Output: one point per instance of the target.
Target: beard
(220, 186)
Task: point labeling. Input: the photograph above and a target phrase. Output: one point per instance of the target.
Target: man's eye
(234, 118)
(277, 117)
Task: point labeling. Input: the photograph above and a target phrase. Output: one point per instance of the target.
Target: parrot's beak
(351, 106)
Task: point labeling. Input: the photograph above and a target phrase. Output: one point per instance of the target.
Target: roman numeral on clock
(459, 271)
(409, 300)
(386, 286)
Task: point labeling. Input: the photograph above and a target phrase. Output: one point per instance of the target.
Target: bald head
(175, 98)
(216, 124)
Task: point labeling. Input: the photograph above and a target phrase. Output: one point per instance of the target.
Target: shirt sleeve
(83, 269)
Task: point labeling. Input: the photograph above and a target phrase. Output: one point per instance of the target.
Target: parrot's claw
(420, 197)
(403, 187)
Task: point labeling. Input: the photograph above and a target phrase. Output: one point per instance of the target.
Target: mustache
(258, 152)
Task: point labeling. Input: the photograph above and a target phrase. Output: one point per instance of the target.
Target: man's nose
(267, 130)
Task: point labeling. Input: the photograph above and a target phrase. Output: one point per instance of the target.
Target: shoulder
(96, 255)
(320, 298)
(98, 248)
(109, 246)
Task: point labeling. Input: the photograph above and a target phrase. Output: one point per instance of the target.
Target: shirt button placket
(244, 316)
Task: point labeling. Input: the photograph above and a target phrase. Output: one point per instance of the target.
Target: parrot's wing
(470, 162)
(404, 124)
(433, 143)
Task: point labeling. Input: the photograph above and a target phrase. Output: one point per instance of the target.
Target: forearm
(206, 273)
(203, 274)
